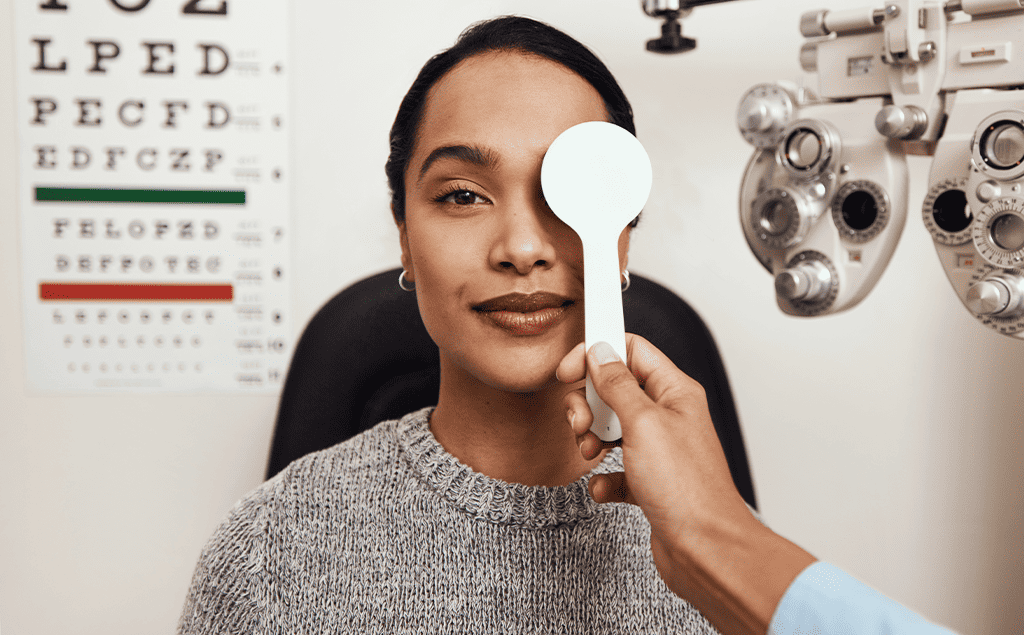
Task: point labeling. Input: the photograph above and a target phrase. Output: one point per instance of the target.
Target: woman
(472, 516)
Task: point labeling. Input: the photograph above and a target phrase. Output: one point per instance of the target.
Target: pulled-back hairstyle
(506, 33)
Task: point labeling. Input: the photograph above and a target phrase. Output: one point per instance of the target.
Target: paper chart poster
(153, 193)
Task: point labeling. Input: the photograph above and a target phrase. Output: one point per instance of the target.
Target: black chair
(365, 357)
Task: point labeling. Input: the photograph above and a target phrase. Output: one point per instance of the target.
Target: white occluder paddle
(596, 177)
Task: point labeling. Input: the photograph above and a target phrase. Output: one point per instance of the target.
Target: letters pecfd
(170, 113)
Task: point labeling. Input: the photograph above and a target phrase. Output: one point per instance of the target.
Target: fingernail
(604, 353)
(572, 417)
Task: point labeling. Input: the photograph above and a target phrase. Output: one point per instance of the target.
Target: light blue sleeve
(825, 599)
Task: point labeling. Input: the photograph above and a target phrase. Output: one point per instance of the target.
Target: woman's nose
(525, 240)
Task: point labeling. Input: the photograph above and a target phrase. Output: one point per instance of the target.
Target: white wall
(886, 440)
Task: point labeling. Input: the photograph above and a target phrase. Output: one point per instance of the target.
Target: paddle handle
(603, 321)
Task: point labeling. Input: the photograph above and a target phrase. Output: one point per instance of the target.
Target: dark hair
(505, 33)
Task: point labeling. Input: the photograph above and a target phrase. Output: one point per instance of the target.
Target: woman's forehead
(505, 101)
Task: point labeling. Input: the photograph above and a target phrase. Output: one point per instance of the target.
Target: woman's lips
(525, 314)
(531, 323)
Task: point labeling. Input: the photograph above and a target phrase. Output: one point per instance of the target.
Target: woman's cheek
(446, 251)
(443, 260)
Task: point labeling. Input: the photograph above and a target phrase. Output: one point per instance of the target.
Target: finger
(610, 488)
(578, 413)
(573, 366)
(616, 385)
(591, 445)
(580, 419)
(658, 375)
(643, 358)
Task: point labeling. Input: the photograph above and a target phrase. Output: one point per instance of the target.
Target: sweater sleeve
(825, 599)
(230, 587)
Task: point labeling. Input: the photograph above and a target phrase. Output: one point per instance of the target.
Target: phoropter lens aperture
(1002, 145)
(860, 210)
(776, 217)
(803, 149)
(1007, 232)
(951, 212)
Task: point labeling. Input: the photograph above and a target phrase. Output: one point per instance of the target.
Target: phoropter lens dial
(998, 233)
(998, 146)
(860, 210)
(1007, 232)
(1002, 145)
(947, 214)
(780, 217)
(808, 148)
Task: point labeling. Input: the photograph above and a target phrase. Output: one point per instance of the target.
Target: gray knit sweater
(389, 533)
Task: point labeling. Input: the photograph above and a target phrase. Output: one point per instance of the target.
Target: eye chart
(153, 193)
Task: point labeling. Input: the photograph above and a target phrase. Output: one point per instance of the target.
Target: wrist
(735, 571)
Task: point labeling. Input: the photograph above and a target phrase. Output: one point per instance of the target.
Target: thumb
(611, 488)
(615, 384)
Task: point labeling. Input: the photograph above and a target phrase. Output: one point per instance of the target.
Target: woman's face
(499, 278)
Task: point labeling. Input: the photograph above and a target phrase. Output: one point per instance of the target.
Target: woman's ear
(624, 247)
(403, 240)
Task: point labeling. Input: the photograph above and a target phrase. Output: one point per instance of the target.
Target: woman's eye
(464, 197)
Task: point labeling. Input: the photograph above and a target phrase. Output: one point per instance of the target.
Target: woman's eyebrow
(482, 157)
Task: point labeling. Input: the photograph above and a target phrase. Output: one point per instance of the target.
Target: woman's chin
(520, 380)
(515, 365)
(514, 376)
(525, 387)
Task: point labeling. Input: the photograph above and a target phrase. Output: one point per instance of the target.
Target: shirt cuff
(826, 599)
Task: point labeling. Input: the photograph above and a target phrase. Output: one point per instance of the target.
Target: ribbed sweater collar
(490, 499)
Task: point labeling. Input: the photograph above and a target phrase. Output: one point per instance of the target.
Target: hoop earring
(625, 285)
(402, 282)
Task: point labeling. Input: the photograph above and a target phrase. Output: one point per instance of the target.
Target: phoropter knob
(758, 116)
(1001, 295)
(901, 122)
(763, 113)
(808, 281)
